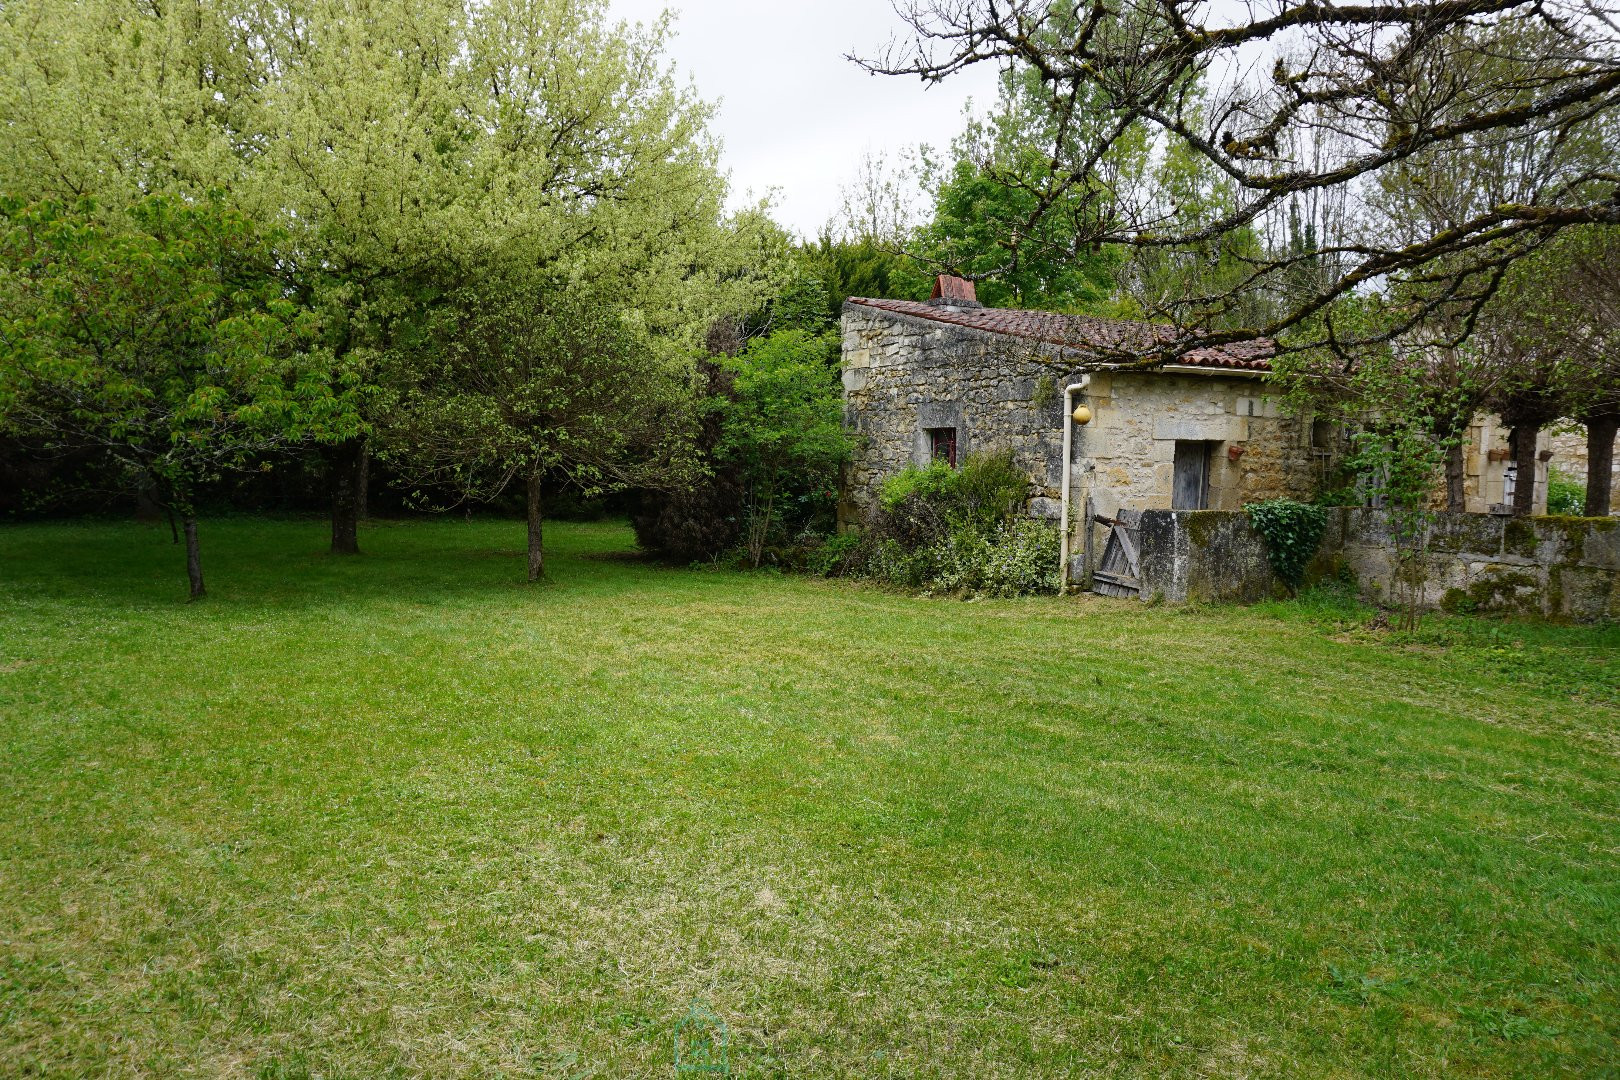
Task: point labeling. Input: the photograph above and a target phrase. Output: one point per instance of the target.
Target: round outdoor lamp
(1082, 414)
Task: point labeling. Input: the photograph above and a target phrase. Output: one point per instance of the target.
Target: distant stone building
(1489, 475)
(944, 378)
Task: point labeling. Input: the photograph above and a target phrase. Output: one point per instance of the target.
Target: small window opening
(942, 445)
(1322, 434)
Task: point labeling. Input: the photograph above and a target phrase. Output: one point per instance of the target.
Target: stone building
(1488, 470)
(944, 378)
(1490, 475)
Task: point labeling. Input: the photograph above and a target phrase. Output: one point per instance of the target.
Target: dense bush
(771, 441)
(701, 521)
(782, 432)
(957, 531)
(986, 491)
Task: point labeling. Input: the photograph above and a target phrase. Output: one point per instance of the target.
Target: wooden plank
(1129, 547)
(1118, 575)
(1190, 486)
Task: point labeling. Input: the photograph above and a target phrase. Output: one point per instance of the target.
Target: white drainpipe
(1068, 458)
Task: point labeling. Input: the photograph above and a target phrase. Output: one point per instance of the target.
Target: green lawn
(402, 815)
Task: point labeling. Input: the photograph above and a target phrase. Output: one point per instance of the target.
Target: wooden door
(1191, 490)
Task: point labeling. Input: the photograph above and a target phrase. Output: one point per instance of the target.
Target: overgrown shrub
(1023, 559)
(1565, 494)
(959, 531)
(1016, 558)
(1292, 532)
(988, 490)
(834, 556)
(782, 431)
(771, 441)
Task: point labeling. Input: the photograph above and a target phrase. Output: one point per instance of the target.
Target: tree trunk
(759, 529)
(1522, 438)
(362, 490)
(1600, 433)
(174, 530)
(1456, 490)
(537, 557)
(194, 559)
(344, 470)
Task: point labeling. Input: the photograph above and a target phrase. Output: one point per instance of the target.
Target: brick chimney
(954, 292)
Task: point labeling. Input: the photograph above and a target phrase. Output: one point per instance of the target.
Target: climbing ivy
(1292, 532)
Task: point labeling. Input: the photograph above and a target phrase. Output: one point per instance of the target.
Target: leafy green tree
(394, 145)
(1558, 318)
(543, 385)
(824, 273)
(160, 337)
(782, 429)
(1018, 192)
(1415, 83)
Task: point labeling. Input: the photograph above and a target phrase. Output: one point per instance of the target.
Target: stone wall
(1203, 556)
(1557, 567)
(1125, 458)
(1486, 459)
(904, 375)
(1566, 568)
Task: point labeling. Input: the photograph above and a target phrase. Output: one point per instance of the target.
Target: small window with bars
(942, 445)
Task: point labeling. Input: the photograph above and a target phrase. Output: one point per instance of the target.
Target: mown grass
(402, 815)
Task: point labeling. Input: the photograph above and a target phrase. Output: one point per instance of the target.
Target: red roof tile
(1080, 332)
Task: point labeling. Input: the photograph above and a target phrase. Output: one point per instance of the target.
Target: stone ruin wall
(1561, 568)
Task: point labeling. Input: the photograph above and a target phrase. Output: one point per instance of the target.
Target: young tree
(534, 382)
(391, 143)
(781, 428)
(158, 336)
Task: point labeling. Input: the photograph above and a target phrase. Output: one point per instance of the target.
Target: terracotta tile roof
(1078, 331)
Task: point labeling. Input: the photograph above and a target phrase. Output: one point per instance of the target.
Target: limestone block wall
(904, 375)
(1125, 458)
(1485, 467)
(1557, 567)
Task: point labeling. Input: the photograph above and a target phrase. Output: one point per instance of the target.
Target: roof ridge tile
(1056, 328)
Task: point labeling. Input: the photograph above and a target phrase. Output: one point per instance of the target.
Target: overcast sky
(794, 114)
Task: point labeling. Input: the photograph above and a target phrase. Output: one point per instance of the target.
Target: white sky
(794, 114)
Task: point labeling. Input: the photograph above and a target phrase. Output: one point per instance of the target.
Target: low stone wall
(1203, 556)
(1567, 568)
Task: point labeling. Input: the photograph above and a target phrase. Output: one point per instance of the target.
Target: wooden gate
(1120, 572)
